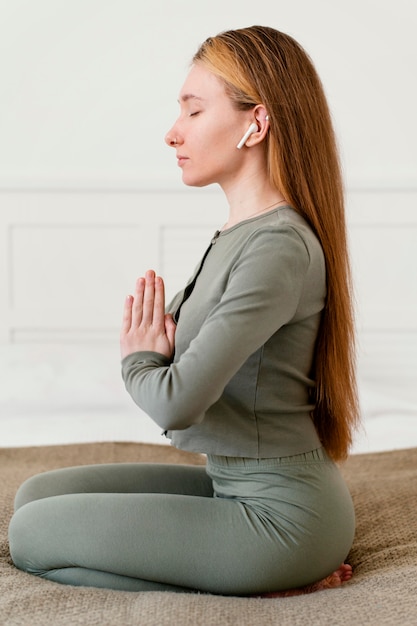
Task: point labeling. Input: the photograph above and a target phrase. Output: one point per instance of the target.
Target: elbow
(176, 418)
(170, 411)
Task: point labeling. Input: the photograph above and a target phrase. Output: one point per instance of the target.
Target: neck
(251, 199)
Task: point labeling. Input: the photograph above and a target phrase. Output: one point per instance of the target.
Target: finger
(149, 297)
(170, 329)
(159, 305)
(127, 314)
(137, 308)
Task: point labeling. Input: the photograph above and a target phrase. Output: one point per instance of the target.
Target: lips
(181, 159)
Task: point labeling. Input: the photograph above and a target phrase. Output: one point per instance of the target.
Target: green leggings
(239, 526)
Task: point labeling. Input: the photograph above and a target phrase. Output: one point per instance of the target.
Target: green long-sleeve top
(240, 380)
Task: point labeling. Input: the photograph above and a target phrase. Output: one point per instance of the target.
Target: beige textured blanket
(383, 590)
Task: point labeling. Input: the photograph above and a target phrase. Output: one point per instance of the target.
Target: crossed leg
(144, 527)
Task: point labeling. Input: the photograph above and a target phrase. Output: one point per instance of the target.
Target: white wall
(90, 196)
(89, 87)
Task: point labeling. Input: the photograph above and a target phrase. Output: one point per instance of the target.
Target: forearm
(157, 387)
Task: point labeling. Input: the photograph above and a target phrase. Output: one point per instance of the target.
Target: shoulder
(284, 229)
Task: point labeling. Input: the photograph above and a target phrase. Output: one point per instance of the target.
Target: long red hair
(260, 65)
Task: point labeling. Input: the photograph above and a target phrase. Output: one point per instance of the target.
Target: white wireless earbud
(252, 129)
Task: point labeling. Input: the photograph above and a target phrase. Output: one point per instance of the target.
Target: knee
(33, 488)
(17, 536)
(23, 543)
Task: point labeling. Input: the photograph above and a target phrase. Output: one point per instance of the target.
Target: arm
(262, 294)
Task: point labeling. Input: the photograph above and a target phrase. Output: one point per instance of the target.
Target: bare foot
(341, 575)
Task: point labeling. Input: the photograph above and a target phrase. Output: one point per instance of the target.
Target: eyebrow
(189, 96)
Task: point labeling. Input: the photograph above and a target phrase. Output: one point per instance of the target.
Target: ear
(260, 117)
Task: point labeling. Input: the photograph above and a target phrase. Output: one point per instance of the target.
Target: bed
(383, 590)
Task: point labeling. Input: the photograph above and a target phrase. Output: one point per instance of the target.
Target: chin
(196, 182)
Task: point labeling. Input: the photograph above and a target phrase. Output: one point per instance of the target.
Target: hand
(145, 325)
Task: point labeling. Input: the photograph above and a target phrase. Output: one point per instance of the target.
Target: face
(207, 131)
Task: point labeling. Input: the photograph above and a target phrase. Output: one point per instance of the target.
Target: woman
(251, 365)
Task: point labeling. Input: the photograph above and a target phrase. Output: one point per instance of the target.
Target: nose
(171, 138)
